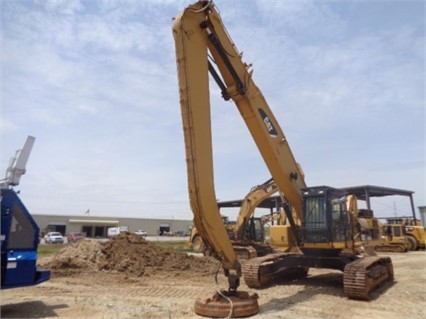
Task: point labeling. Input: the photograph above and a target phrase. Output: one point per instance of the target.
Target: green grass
(173, 245)
(45, 250)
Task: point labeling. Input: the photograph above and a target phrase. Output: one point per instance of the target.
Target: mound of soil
(126, 253)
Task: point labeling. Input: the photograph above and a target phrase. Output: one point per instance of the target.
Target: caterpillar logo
(268, 124)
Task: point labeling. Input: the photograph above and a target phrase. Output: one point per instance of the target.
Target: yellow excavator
(247, 234)
(321, 224)
(249, 241)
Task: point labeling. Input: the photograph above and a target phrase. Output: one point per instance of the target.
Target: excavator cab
(326, 221)
(253, 230)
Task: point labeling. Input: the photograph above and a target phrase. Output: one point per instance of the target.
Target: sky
(96, 83)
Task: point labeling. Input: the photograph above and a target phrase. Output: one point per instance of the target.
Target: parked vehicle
(183, 233)
(54, 238)
(141, 232)
(113, 231)
(72, 237)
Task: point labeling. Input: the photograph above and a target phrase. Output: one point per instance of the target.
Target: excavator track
(363, 276)
(261, 271)
(251, 270)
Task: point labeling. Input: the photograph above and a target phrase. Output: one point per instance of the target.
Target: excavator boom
(199, 34)
(191, 56)
(256, 195)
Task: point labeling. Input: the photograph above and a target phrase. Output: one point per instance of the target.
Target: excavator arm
(202, 46)
(256, 195)
(191, 53)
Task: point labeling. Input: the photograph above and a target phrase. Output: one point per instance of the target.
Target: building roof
(362, 192)
(271, 202)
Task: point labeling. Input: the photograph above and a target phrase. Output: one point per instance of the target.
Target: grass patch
(173, 245)
(45, 250)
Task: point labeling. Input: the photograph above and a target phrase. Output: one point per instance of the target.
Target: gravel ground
(167, 291)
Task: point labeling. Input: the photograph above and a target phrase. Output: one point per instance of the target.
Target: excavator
(249, 241)
(321, 225)
(247, 234)
(250, 233)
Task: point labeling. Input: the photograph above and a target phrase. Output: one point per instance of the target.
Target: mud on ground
(128, 277)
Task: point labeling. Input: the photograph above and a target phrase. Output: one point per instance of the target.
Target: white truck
(141, 233)
(114, 231)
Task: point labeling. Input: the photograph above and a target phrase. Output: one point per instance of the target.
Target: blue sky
(95, 82)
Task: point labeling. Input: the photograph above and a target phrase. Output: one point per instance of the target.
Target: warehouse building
(97, 227)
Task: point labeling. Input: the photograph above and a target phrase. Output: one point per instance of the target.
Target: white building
(98, 226)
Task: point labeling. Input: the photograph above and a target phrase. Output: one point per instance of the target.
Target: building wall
(97, 226)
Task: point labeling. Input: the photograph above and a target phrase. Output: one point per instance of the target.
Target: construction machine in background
(196, 242)
(413, 228)
(247, 234)
(249, 240)
(318, 217)
(251, 230)
(397, 234)
(19, 232)
(394, 239)
(381, 237)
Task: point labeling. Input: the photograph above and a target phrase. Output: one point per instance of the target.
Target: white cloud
(62, 6)
(96, 83)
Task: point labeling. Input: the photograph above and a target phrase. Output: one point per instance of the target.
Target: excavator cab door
(314, 225)
(340, 219)
(325, 219)
(255, 230)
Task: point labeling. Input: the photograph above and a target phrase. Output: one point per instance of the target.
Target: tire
(413, 243)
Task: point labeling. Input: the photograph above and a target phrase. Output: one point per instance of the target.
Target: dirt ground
(128, 277)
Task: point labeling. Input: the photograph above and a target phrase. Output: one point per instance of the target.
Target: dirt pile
(126, 253)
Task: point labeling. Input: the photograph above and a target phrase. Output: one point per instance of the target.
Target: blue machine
(19, 242)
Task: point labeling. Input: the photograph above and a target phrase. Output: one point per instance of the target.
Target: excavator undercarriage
(361, 275)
